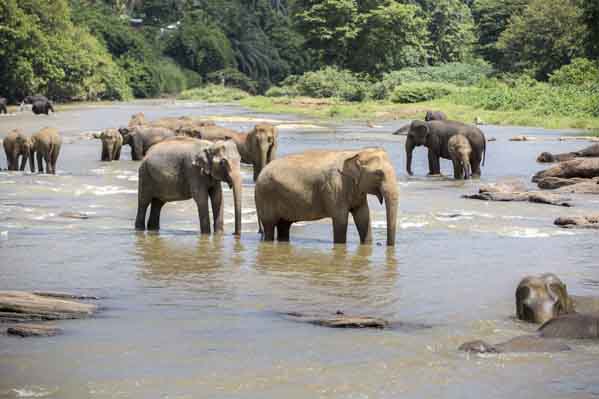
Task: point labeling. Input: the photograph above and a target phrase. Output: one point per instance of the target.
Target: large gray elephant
(16, 145)
(141, 138)
(435, 116)
(45, 145)
(544, 299)
(3, 105)
(435, 136)
(257, 147)
(460, 152)
(320, 184)
(182, 168)
(42, 107)
(112, 141)
(590, 152)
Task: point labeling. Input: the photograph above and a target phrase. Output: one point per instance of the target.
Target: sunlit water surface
(186, 316)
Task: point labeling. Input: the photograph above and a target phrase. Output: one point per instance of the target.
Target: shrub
(285, 91)
(329, 82)
(580, 72)
(213, 93)
(418, 92)
(233, 78)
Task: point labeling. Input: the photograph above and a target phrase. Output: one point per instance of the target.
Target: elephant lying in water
(16, 145)
(182, 168)
(319, 184)
(591, 152)
(544, 299)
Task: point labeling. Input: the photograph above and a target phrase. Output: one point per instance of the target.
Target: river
(186, 316)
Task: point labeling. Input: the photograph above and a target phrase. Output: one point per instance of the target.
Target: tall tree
(591, 19)
(451, 31)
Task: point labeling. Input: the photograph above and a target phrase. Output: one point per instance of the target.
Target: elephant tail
(484, 150)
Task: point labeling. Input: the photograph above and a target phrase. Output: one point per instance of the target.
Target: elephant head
(138, 119)
(126, 133)
(545, 157)
(541, 298)
(111, 140)
(372, 173)
(263, 141)
(222, 162)
(417, 136)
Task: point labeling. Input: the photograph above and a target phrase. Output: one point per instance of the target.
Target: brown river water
(186, 316)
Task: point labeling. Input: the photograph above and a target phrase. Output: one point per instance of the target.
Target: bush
(233, 78)
(328, 82)
(418, 92)
(285, 91)
(171, 78)
(580, 72)
(213, 93)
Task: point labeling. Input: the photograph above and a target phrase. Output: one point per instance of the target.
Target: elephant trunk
(390, 194)
(262, 161)
(409, 149)
(23, 161)
(235, 177)
(109, 151)
(467, 170)
(32, 160)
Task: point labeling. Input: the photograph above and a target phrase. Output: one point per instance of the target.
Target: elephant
(435, 116)
(435, 135)
(141, 138)
(3, 106)
(172, 123)
(320, 184)
(590, 152)
(16, 145)
(258, 147)
(45, 144)
(182, 168)
(112, 141)
(544, 300)
(42, 107)
(460, 152)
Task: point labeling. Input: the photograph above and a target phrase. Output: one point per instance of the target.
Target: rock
(509, 192)
(64, 295)
(523, 138)
(591, 186)
(586, 222)
(74, 215)
(580, 167)
(522, 344)
(33, 330)
(24, 306)
(551, 183)
(340, 320)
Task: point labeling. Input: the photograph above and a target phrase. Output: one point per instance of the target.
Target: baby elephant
(112, 141)
(16, 145)
(459, 151)
(45, 145)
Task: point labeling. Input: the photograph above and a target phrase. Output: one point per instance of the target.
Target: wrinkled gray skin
(42, 107)
(435, 116)
(322, 184)
(435, 136)
(590, 152)
(16, 145)
(182, 168)
(258, 147)
(460, 152)
(112, 141)
(544, 299)
(3, 105)
(141, 138)
(45, 146)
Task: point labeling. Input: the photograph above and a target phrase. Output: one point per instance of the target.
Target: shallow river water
(186, 316)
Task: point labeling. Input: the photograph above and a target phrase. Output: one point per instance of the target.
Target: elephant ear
(558, 291)
(352, 167)
(420, 128)
(202, 161)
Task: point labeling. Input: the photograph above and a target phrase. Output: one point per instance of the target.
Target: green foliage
(329, 82)
(284, 91)
(213, 93)
(547, 35)
(590, 16)
(233, 78)
(452, 32)
(420, 91)
(580, 72)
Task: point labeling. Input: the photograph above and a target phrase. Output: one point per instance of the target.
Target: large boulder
(586, 168)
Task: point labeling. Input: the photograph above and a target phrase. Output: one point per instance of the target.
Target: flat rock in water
(340, 320)
(24, 306)
(581, 222)
(64, 295)
(74, 215)
(33, 330)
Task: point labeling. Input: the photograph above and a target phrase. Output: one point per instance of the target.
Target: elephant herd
(43, 146)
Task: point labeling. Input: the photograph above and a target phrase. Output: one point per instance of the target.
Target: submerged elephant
(42, 107)
(45, 145)
(182, 168)
(3, 106)
(16, 145)
(141, 138)
(544, 299)
(112, 141)
(435, 116)
(321, 184)
(460, 152)
(435, 136)
(258, 147)
(591, 152)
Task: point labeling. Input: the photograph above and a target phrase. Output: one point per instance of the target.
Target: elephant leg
(457, 174)
(104, 156)
(283, 228)
(10, 160)
(340, 227)
(117, 154)
(216, 200)
(143, 201)
(201, 198)
(40, 166)
(361, 217)
(434, 167)
(48, 160)
(154, 220)
(475, 161)
(268, 233)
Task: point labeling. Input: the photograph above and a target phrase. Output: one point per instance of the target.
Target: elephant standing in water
(544, 299)
(141, 138)
(16, 145)
(460, 152)
(319, 184)
(112, 141)
(182, 168)
(435, 136)
(257, 147)
(45, 145)
(42, 107)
